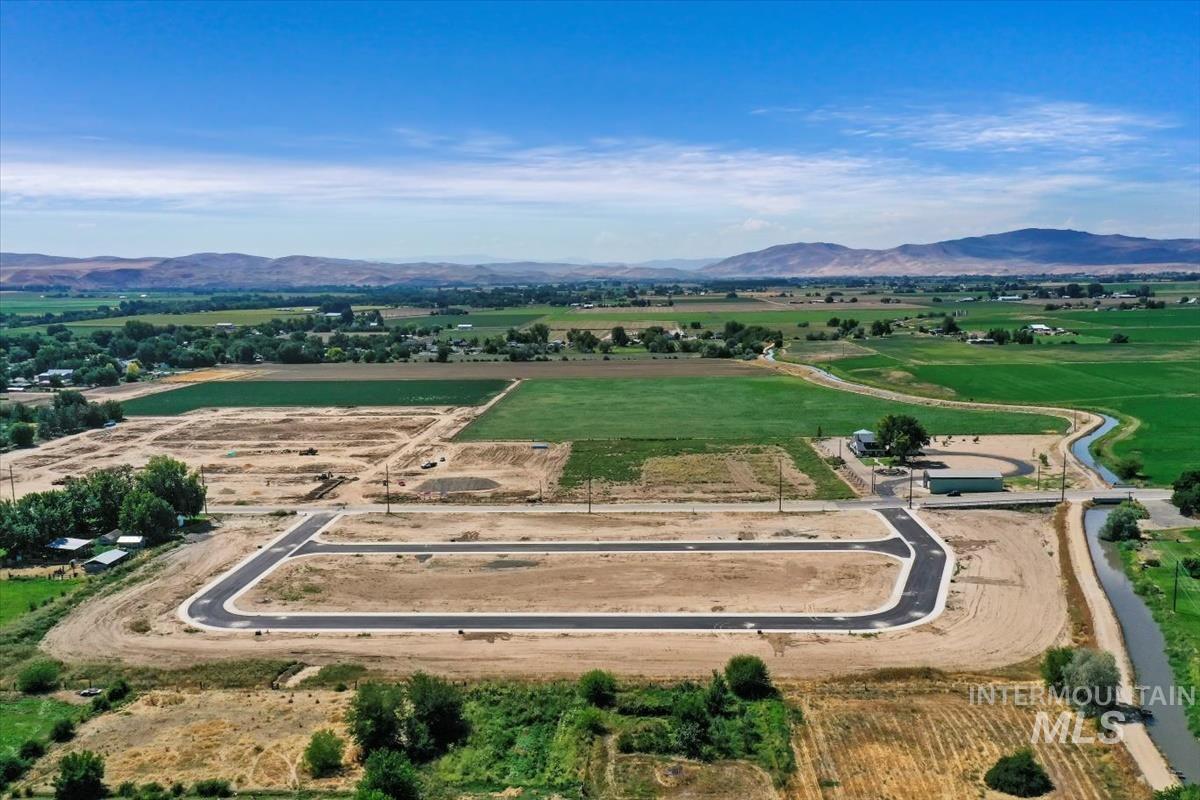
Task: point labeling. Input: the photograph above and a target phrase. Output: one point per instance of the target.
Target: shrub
(748, 678)
(690, 724)
(647, 736)
(1054, 663)
(1019, 774)
(213, 787)
(80, 777)
(63, 730)
(38, 677)
(598, 688)
(1128, 468)
(127, 789)
(11, 768)
(323, 756)
(32, 749)
(118, 690)
(178, 789)
(22, 434)
(591, 720)
(391, 774)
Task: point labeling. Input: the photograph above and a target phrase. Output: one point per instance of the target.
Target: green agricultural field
(239, 316)
(1153, 384)
(24, 303)
(233, 394)
(25, 718)
(756, 409)
(16, 596)
(480, 319)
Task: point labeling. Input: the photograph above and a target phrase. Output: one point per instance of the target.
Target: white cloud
(1016, 126)
(657, 198)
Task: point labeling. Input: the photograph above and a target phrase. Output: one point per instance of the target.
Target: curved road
(921, 597)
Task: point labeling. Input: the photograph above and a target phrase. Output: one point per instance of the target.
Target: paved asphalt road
(918, 599)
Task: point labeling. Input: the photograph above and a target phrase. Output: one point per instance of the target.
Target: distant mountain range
(1032, 251)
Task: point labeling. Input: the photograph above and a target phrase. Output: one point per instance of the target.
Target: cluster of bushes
(737, 714)
(69, 413)
(144, 503)
(395, 727)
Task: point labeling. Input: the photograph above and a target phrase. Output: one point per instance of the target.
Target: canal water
(1147, 650)
(1082, 449)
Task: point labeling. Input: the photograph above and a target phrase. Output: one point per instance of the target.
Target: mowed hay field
(759, 408)
(258, 394)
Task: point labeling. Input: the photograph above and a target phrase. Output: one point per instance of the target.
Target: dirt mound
(462, 484)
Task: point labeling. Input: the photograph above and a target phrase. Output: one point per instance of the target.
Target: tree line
(143, 502)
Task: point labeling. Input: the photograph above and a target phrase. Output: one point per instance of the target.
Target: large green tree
(375, 718)
(143, 514)
(436, 718)
(901, 435)
(170, 480)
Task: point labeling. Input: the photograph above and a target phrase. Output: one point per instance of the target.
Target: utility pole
(781, 487)
(1063, 494)
(1175, 590)
(1039, 478)
(12, 484)
(872, 479)
(203, 484)
(910, 480)
(589, 487)
(387, 487)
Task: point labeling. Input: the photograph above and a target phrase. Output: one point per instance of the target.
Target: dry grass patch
(255, 739)
(920, 741)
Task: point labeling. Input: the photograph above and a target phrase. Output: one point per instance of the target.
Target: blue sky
(591, 131)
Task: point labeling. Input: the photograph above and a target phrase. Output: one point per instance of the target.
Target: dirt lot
(925, 740)
(1007, 575)
(742, 473)
(602, 583)
(474, 526)
(252, 456)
